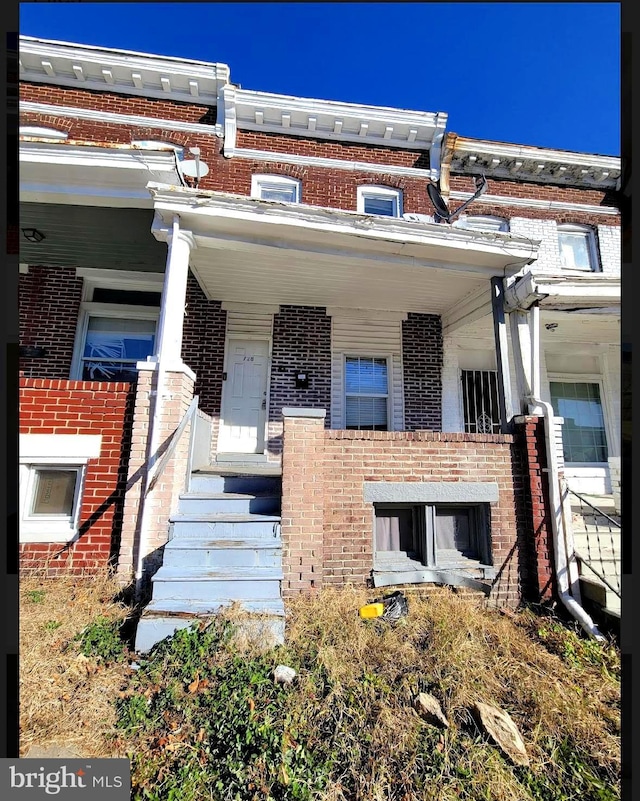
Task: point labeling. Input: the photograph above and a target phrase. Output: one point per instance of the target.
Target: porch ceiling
(255, 251)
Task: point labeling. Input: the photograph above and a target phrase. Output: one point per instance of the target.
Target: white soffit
(123, 71)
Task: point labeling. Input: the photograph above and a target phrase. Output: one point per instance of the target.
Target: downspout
(555, 498)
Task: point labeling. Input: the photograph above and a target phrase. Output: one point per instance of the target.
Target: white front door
(244, 397)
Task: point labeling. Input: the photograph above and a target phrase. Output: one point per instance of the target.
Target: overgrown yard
(203, 718)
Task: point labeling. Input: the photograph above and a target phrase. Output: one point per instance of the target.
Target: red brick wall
(301, 341)
(535, 509)
(422, 366)
(323, 475)
(83, 407)
(523, 189)
(49, 302)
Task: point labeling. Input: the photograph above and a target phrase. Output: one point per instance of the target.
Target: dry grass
(351, 704)
(66, 699)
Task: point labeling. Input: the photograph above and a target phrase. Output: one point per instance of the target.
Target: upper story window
(479, 223)
(381, 200)
(275, 187)
(577, 246)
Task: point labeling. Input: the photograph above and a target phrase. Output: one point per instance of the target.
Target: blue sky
(545, 74)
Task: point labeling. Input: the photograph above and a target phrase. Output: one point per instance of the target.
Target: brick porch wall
(301, 341)
(327, 527)
(83, 407)
(422, 368)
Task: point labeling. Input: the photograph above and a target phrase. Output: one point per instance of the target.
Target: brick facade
(83, 407)
(49, 303)
(327, 527)
(422, 368)
(301, 341)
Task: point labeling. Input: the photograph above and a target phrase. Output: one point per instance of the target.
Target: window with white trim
(275, 187)
(482, 223)
(366, 382)
(117, 326)
(480, 401)
(584, 437)
(435, 535)
(577, 247)
(380, 200)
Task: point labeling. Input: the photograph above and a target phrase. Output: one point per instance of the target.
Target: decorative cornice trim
(119, 119)
(534, 203)
(124, 71)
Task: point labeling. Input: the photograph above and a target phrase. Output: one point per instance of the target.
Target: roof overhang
(108, 175)
(522, 162)
(123, 71)
(575, 293)
(258, 251)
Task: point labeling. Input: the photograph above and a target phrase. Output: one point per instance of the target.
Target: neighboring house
(279, 258)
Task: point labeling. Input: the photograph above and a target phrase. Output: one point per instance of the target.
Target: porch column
(174, 293)
(502, 357)
(525, 338)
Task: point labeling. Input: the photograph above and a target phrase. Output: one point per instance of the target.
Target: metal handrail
(157, 468)
(595, 508)
(600, 576)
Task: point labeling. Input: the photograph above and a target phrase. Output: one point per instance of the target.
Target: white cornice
(525, 163)
(123, 71)
(95, 156)
(345, 122)
(119, 119)
(534, 203)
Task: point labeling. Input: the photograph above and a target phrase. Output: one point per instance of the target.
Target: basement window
(380, 200)
(51, 501)
(442, 536)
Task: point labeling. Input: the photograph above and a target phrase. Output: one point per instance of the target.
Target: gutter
(555, 497)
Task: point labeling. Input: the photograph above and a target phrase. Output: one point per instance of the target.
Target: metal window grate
(480, 399)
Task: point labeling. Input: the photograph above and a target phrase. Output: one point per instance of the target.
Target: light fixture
(551, 326)
(32, 234)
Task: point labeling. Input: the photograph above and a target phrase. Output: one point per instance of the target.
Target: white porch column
(174, 293)
(525, 338)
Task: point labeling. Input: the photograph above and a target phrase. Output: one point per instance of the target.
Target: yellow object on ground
(371, 610)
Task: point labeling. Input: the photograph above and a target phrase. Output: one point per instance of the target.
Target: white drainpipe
(555, 498)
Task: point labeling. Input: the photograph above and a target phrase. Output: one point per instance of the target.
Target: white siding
(366, 337)
(244, 324)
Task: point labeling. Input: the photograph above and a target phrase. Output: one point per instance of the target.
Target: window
(275, 187)
(480, 402)
(380, 200)
(478, 223)
(583, 432)
(577, 248)
(367, 393)
(431, 535)
(117, 325)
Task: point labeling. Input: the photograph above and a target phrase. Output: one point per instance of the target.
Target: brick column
(150, 531)
(530, 438)
(302, 500)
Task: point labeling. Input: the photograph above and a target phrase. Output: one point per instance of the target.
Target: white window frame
(53, 452)
(383, 193)
(263, 180)
(587, 378)
(112, 279)
(488, 222)
(574, 228)
(389, 394)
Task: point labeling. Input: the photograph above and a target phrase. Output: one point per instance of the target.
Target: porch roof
(261, 251)
(590, 293)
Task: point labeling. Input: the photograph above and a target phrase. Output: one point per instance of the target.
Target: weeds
(101, 639)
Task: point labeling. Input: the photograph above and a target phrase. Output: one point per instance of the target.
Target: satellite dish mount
(193, 168)
(442, 210)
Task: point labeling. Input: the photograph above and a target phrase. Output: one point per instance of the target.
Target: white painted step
(225, 552)
(216, 584)
(235, 482)
(223, 525)
(228, 502)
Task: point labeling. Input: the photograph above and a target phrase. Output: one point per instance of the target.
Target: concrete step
(228, 502)
(235, 482)
(222, 525)
(245, 553)
(596, 592)
(216, 584)
(161, 619)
